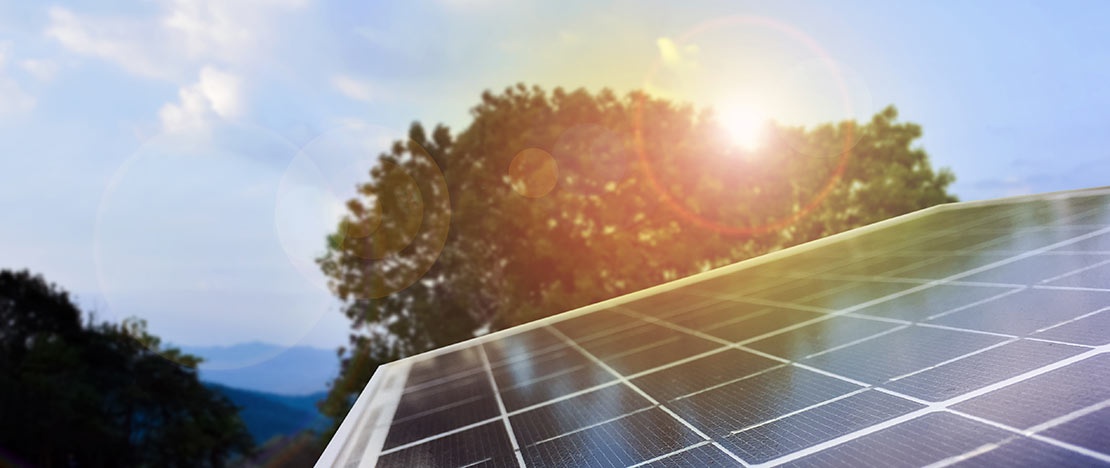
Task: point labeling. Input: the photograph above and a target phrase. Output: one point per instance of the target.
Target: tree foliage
(101, 394)
(647, 191)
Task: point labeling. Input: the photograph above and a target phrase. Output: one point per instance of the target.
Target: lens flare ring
(156, 189)
(677, 206)
(403, 221)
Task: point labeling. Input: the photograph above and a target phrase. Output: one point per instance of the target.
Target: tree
(647, 191)
(101, 394)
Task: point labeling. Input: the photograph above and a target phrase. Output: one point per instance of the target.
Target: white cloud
(223, 91)
(13, 99)
(674, 56)
(131, 43)
(224, 29)
(41, 69)
(185, 34)
(216, 95)
(218, 40)
(359, 90)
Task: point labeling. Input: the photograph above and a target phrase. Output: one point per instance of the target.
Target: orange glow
(676, 204)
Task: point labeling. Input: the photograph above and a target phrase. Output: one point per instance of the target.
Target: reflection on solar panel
(966, 334)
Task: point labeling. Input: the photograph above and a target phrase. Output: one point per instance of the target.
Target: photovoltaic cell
(659, 353)
(487, 443)
(982, 369)
(1099, 243)
(702, 373)
(948, 264)
(700, 455)
(444, 366)
(928, 439)
(1092, 277)
(446, 394)
(1033, 270)
(1091, 330)
(1089, 431)
(521, 345)
(1027, 311)
(968, 334)
(554, 386)
(920, 305)
(521, 371)
(718, 314)
(904, 351)
(622, 442)
(1022, 451)
(1047, 396)
(805, 429)
(820, 337)
(854, 294)
(755, 327)
(756, 399)
(568, 415)
(469, 411)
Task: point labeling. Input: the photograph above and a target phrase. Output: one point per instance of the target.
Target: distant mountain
(269, 368)
(268, 415)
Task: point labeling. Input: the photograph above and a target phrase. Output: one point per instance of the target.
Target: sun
(744, 125)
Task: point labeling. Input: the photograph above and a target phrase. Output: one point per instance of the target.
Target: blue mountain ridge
(268, 368)
(267, 415)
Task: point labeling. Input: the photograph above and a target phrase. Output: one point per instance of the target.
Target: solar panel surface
(964, 334)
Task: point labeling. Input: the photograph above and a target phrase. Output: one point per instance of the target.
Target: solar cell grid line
(1066, 277)
(625, 381)
(1061, 444)
(710, 317)
(968, 226)
(1071, 288)
(992, 265)
(969, 330)
(1027, 311)
(501, 406)
(819, 404)
(902, 307)
(856, 341)
(1091, 329)
(963, 273)
(1079, 413)
(695, 447)
(1087, 430)
(1027, 452)
(874, 252)
(840, 376)
(967, 455)
(1039, 269)
(1054, 238)
(933, 407)
(1073, 320)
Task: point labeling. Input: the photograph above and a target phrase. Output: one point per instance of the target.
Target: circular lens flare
(184, 241)
(657, 81)
(392, 227)
(533, 173)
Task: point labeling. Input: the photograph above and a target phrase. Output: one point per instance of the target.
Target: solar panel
(963, 334)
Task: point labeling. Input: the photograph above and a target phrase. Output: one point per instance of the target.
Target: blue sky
(180, 160)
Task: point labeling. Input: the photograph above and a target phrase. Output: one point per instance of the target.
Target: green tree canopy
(646, 190)
(101, 394)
